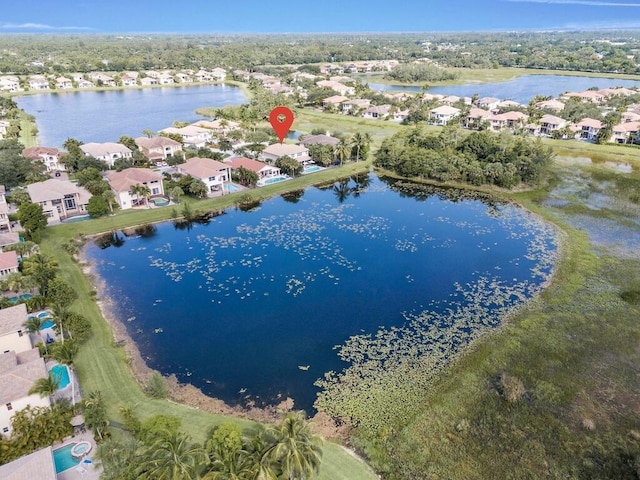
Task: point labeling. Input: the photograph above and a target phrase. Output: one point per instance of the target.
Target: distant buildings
(108, 152)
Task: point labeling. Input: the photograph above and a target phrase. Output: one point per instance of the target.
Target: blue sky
(277, 16)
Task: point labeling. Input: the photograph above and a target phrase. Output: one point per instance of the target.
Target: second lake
(250, 306)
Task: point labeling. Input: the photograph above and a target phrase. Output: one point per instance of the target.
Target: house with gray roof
(60, 199)
(37, 465)
(18, 373)
(13, 334)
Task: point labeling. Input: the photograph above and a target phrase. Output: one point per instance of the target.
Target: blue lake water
(521, 89)
(250, 306)
(107, 115)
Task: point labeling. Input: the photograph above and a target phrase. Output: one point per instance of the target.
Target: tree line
(478, 158)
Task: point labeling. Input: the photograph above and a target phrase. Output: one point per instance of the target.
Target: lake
(104, 116)
(250, 306)
(521, 89)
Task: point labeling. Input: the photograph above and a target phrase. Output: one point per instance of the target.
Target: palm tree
(360, 141)
(34, 326)
(342, 151)
(22, 248)
(172, 457)
(42, 269)
(140, 190)
(95, 413)
(148, 133)
(296, 450)
(175, 193)
(109, 197)
(65, 352)
(45, 387)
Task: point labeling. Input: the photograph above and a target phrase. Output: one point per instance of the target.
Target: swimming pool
(230, 187)
(61, 373)
(272, 180)
(311, 169)
(80, 218)
(160, 201)
(44, 315)
(25, 296)
(47, 324)
(63, 459)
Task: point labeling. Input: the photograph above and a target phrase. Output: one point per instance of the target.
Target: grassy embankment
(491, 75)
(101, 365)
(571, 356)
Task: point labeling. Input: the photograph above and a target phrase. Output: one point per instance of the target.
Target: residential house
(556, 105)
(551, 123)
(377, 112)
(214, 174)
(192, 137)
(38, 82)
(219, 74)
(108, 152)
(4, 126)
(450, 99)
(8, 263)
(158, 148)
(625, 132)
(319, 139)
(63, 83)
(102, 80)
(5, 223)
(166, 78)
(336, 86)
(146, 81)
(355, 105)
(341, 79)
(183, 78)
(220, 126)
(18, 373)
(334, 101)
(400, 115)
(443, 114)
(488, 103)
(129, 80)
(507, 104)
(511, 120)
(203, 76)
(432, 97)
(587, 96)
(264, 170)
(475, 117)
(50, 156)
(10, 84)
(60, 199)
(277, 150)
(39, 464)
(588, 128)
(121, 183)
(8, 238)
(630, 117)
(532, 129)
(13, 334)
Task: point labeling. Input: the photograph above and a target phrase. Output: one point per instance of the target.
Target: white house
(277, 150)
(589, 128)
(377, 112)
(220, 126)
(264, 170)
(443, 114)
(18, 373)
(550, 123)
(336, 86)
(121, 183)
(214, 174)
(13, 334)
(59, 199)
(10, 84)
(192, 137)
(63, 83)
(38, 82)
(50, 156)
(354, 105)
(219, 74)
(108, 152)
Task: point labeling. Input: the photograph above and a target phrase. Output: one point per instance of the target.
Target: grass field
(101, 365)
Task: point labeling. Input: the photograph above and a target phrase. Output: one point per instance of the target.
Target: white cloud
(592, 3)
(37, 26)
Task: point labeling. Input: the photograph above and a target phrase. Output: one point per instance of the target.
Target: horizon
(333, 17)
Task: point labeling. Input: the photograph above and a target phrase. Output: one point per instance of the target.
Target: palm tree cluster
(286, 451)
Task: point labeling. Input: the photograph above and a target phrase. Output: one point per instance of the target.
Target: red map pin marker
(281, 119)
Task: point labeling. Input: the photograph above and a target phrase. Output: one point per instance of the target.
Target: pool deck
(88, 472)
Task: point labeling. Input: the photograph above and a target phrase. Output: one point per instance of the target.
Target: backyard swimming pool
(311, 169)
(231, 188)
(63, 459)
(25, 296)
(61, 373)
(80, 218)
(272, 180)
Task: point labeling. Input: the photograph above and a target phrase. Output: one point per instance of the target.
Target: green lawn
(103, 366)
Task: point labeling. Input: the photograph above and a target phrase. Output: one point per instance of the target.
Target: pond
(107, 115)
(521, 89)
(250, 306)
